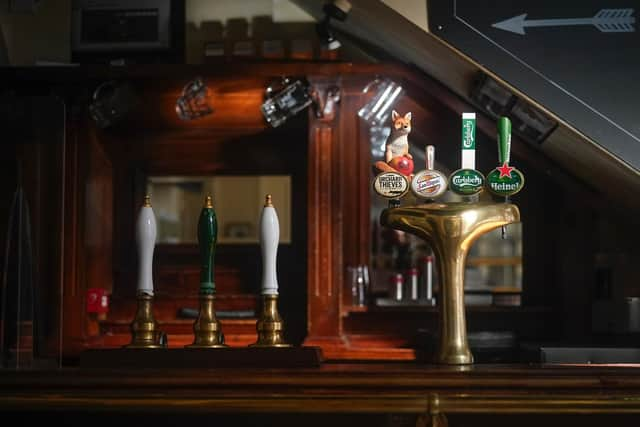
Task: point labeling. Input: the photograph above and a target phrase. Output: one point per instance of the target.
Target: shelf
(505, 290)
(345, 310)
(497, 261)
(469, 308)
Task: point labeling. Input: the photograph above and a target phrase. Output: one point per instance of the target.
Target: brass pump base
(144, 329)
(207, 328)
(270, 326)
(451, 229)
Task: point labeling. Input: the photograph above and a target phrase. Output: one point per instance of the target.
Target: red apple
(402, 164)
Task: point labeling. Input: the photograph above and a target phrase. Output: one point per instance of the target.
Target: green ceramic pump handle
(504, 140)
(207, 239)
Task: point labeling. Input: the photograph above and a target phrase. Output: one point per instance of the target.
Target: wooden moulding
(203, 358)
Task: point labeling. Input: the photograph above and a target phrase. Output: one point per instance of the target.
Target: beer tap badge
(391, 185)
(429, 183)
(467, 180)
(505, 180)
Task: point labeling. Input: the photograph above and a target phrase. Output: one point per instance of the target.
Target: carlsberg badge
(466, 182)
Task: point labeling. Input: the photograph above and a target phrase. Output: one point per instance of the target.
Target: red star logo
(505, 170)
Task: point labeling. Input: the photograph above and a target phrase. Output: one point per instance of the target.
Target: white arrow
(607, 21)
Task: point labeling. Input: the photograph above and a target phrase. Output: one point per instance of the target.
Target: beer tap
(504, 180)
(269, 326)
(207, 328)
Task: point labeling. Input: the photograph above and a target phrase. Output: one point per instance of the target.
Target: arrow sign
(607, 21)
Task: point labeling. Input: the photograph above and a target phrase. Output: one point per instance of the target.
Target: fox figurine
(397, 143)
(397, 157)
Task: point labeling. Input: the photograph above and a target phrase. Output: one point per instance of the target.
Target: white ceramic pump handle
(146, 231)
(269, 239)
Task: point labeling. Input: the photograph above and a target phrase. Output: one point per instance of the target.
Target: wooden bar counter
(428, 392)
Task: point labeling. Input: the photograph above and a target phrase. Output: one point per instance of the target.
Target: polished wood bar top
(332, 388)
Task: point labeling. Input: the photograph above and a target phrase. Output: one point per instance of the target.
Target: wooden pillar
(324, 233)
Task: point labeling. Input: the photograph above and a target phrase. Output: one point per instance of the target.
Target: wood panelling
(36, 130)
(232, 102)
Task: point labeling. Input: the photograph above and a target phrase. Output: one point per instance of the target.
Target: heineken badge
(466, 182)
(429, 183)
(505, 180)
(391, 185)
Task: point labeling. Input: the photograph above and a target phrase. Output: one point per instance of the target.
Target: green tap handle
(504, 140)
(207, 239)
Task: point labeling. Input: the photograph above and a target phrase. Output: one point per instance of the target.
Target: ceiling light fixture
(528, 121)
(339, 10)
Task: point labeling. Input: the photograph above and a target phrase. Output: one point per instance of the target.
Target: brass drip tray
(588, 355)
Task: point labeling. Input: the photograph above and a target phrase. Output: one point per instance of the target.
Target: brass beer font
(450, 230)
(269, 325)
(207, 328)
(144, 328)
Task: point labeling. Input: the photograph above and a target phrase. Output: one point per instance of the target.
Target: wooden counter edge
(433, 403)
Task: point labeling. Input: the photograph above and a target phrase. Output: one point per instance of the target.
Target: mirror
(237, 200)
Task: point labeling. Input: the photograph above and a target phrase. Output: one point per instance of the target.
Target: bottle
(427, 277)
(413, 284)
(363, 285)
(359, 280)
(397, 282)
